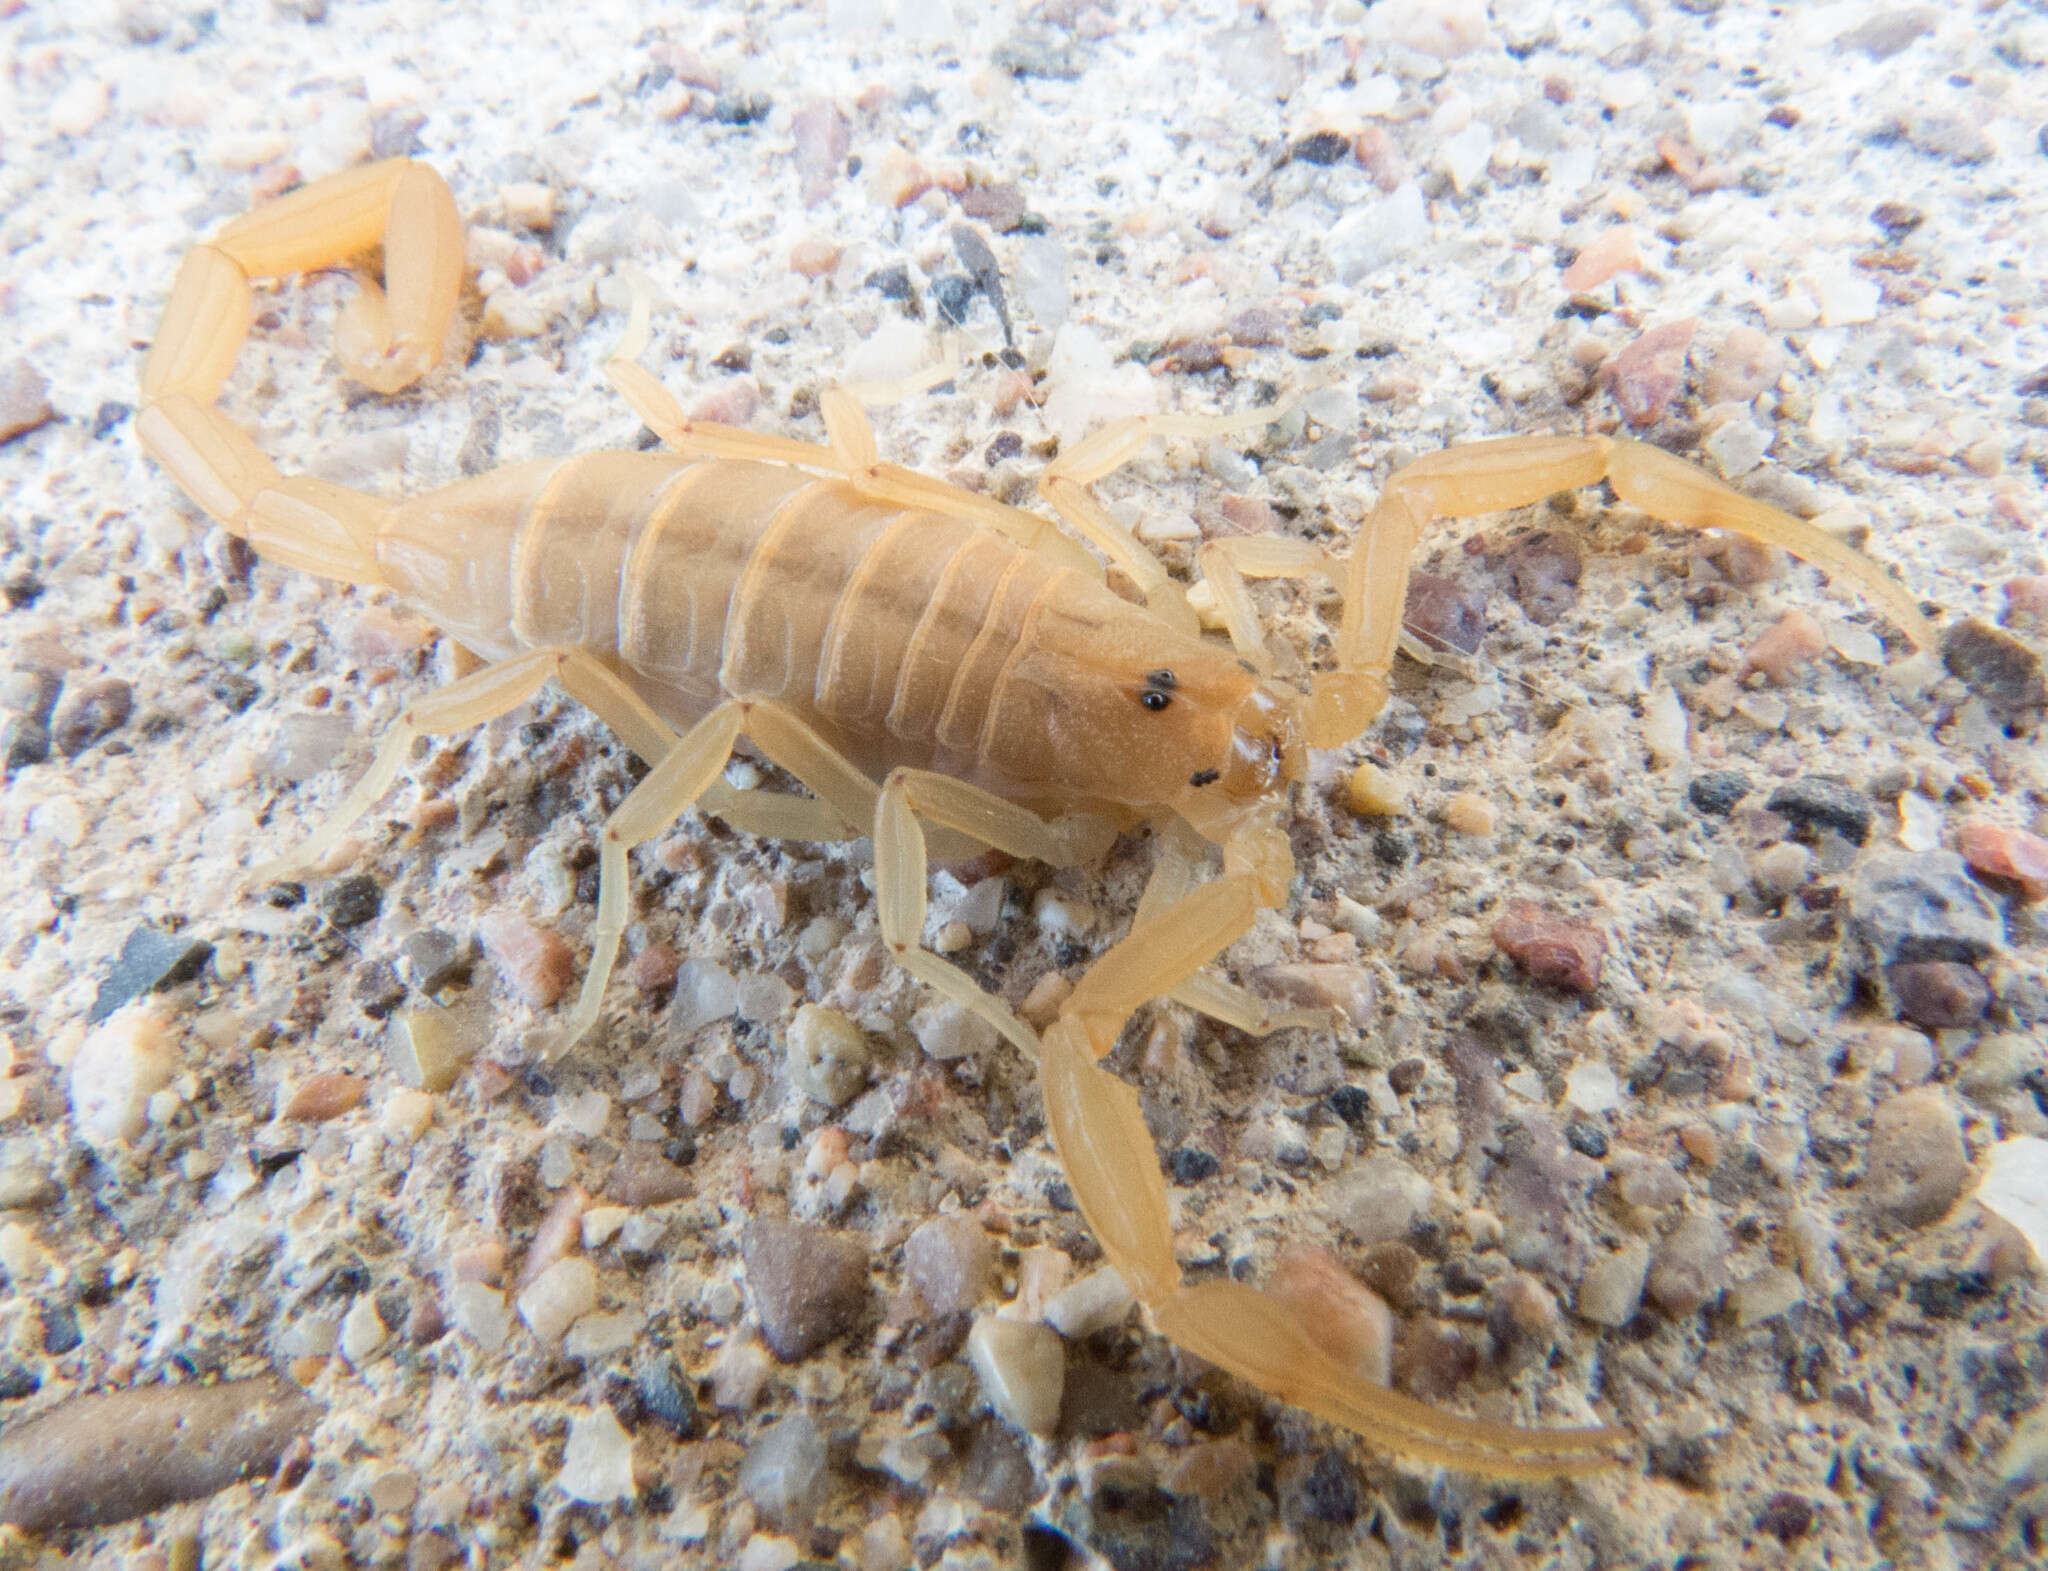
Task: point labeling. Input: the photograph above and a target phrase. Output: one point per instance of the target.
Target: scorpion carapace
(854, 620)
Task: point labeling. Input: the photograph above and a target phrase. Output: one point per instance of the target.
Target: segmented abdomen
(889, 630)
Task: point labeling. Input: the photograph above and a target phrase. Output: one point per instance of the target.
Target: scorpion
(853, 621)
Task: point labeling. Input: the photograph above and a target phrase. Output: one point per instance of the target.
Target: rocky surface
(1703, 1170)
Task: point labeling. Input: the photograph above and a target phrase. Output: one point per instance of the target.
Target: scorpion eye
(1153, 699)
(1158, 692)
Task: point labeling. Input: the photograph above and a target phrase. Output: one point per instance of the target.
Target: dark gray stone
(1815, 802)
(149, 959)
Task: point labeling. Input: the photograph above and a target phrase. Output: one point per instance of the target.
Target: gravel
(1511, 206)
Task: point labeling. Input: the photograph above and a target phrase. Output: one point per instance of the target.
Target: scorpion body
(852, 621)
(904, 637)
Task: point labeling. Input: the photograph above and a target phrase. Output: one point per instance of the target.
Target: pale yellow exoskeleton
(858, 623)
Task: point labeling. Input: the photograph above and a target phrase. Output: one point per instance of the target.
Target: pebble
(1688, 1267)
(1999, 669)
(362, 1331)
(320, 1097)
(534, 961)
(1550, 947)
(1023, 1370)
(1817, 802)
(822, 137)
(2009, 855)
(1543, 571)
(429, 1048)
(2015, 1188)
(1613, 251)
(478, 1311)
(809, 1285)
(1649, 373)
(1717, 792)
(1351, 990)
(1374, 793)
(828, 1054)
(1445, 613)
(1906, 905)
(950, 1261)
(558, 1297)
(1916, 1165)
(946, 1031)
(115, 1072)
(1380, 1200)
(1789, 643)
(1666, 734)
(1469, 814)
(90, 714)
(1747, 363)
(352, 901)
(597, 1461)
(705, 993)
(1770, 1293)
(784, 1473)
(1340, 1314)
(1099, 1301)
(1779, 870)
(149, 960)
(117, 1455)
(1611, 1291)
(24, 399)
(1939, 994)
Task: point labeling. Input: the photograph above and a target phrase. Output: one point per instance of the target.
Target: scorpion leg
(1487, 477)
(1098, 1130)
(901, 865)
(495, 690)
(1207, 991)
(1065, 481)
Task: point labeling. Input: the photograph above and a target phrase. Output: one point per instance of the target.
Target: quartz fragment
(597, 1462)
(1023, 1370)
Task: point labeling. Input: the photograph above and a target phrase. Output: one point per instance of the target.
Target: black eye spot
(1163, 679)
(1153, 699)
(1202, 777)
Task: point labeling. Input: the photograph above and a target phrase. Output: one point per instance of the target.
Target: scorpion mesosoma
(855, 621)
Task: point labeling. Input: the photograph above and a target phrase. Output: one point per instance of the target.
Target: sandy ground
(1366, 213)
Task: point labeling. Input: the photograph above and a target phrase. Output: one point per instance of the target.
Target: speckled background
(1368, 212)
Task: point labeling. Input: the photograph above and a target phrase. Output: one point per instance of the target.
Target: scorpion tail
(392, 335)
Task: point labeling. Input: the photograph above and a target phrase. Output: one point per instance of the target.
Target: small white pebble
(1765, 1296)
(586, 1112)
(21, 1256)
(947, 1031)
(768, 1552)
(1097, 1302)
(1919, 823)
(597, 1462)
(1592, 1087)
(362, 1331)
(116, 1071)
(479, 1313)
(529, 204)
(558, 1297)
(2015, 1188)
(1664, 725)
(1061, 916)
(408, 1114)
(596, 1335)
(79, 107)
(602, 1223)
